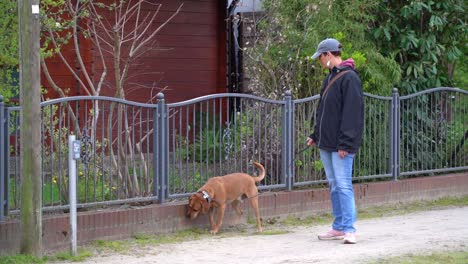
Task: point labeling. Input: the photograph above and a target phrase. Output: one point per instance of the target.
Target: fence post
(395, 135)
(287, 141)
(161, 149)
(3, 161)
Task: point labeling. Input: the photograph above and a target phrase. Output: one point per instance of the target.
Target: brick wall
(123, 223)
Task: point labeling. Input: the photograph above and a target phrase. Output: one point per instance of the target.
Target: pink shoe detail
(332, 235)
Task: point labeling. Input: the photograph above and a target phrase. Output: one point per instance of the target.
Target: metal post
(161, 145)
(391, 139)
(3, 163)
(72, 192)
(288, 144)
(395, 135)
(6, 136)
(156, 128)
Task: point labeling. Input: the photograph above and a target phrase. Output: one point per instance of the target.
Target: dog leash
(302, 150)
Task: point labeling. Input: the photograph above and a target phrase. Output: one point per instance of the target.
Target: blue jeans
(339, 176)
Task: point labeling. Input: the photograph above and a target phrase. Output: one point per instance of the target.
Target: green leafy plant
(288, 34)
(425, 37)
(9, 50)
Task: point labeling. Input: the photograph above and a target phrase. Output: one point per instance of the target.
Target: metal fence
(134, 152)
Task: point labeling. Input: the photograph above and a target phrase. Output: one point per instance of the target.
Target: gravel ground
(418, 233)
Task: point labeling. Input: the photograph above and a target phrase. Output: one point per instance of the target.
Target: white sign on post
(76, 149)
(35, 9)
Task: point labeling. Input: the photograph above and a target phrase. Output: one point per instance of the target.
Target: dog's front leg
(219, 219)
(210, 217)
(236, 205)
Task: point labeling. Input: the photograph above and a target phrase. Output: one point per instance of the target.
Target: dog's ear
(205, 205)
(188, 210)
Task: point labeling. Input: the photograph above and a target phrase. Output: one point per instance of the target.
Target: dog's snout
(193, 216)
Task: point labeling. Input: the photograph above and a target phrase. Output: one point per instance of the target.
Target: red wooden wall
(188, 56)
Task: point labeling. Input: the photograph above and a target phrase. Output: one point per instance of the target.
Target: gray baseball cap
(327, 45)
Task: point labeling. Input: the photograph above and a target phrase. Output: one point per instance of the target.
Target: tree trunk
(30, 123)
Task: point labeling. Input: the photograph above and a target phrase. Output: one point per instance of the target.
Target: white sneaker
(350, 238)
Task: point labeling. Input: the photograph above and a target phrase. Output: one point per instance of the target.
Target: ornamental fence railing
(134, 152)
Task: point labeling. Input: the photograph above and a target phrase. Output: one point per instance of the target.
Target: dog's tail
(262, 172)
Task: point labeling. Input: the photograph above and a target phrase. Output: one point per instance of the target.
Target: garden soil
(415, 233)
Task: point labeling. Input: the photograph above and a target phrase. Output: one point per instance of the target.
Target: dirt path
(429, 231)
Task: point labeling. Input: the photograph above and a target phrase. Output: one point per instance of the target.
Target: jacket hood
(347, 63)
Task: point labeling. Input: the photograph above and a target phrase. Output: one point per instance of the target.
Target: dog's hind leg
(254, 204)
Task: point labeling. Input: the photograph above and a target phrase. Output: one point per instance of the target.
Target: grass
(180, 236)
(417, 206)
(62, 256)
(454, 257)
(306, 221)
(140, 241)
(114, 245)
(272, 232)
(22, 259)
(66, 256)
(405, 208)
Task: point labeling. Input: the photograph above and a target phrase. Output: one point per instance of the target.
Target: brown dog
(218, 191)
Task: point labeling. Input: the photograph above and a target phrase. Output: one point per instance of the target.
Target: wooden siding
(187, 57)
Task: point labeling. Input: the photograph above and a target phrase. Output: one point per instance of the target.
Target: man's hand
(310, 142)
(342, 153)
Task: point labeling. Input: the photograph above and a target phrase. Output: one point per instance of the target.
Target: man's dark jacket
(339, 120)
